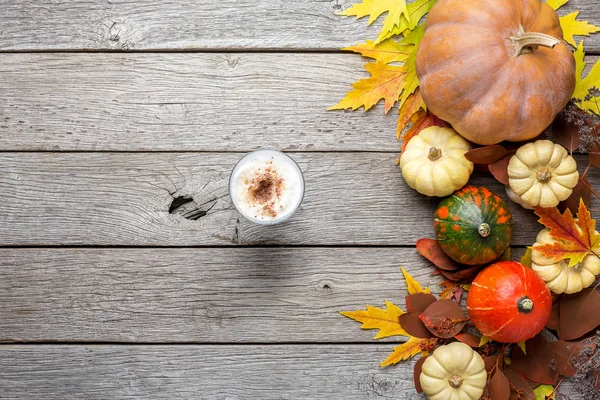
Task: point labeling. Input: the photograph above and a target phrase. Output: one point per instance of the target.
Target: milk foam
(251, 171)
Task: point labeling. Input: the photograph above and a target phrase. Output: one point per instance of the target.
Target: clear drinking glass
(266, 187)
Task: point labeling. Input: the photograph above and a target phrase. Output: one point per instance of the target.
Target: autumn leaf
(414, 102)
(571, 27)
(556, 4)
(387, 321)
(484, 339)
(544, 392)
(405, 351)
(586, 98)
(412, 285)
(386, 52)
(575, 239)
(395, 9)
(522, 346)
(420, 120)
(385, 83)
(526, 259)
(416, 11)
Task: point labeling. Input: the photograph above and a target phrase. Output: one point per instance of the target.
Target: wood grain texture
(240, 295)
(108, 199)
(202, 372)
(191, 25)
(185, 102)
(207, 372)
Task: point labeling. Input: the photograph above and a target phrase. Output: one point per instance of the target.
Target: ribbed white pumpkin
(453, 372)
(542, 173)
(434, 162)
(559, 277)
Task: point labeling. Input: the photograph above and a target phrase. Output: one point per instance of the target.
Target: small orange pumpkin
(495, 69)
(509, 302)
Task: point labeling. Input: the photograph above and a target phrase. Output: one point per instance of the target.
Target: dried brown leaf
(536, 365)
(579, 314)
(499, 169)
(498, 387)
(417, 373)
(519, 387)
(468, 338)
(563, 353)
(431, 250)
(486, 155)
(419, 302)
(412, 324)
(444, 318)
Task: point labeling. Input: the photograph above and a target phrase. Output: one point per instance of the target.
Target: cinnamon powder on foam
(265, 189)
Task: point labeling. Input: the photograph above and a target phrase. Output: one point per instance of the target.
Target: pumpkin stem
(525, 305)
(484, 230)
(434, 153)
(455, 381)
(544, 176)
(526, 42)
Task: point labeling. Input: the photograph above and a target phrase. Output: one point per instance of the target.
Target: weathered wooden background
(111, 110)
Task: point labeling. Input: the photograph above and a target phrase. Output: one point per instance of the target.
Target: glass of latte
(266, 186)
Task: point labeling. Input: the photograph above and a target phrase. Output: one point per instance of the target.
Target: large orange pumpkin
(509, 302)
(495, 69)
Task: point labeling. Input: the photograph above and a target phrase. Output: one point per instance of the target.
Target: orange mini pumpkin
(495, 69)
(509, 302)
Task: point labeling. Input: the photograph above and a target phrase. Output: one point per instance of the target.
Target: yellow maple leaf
(556, 4)
(583, 87)
(387, 321)
(396, 9)
(571, 27)
(416, 11)
(386, 52)
(412, 285)
(526, 259)
(403, 352)
(386, 83)
(484, 339)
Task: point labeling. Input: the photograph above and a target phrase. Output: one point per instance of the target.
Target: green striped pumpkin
(473, 226)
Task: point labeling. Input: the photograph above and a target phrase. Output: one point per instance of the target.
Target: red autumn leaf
(420, 120)
(499, 169)
(453, 290)
(468, 338)
(579, 314)
(518, 385)
(462, 274)
(575, 239)
(554, 318)
(419, 301)
(594, 149)
(444, 318)
(581, 191)
(491, 362)
(565, 132)
(498, 387)
(431, 250)
(486, 155)
(417, 373)
(536, 365)
(563, 353)
(414, 326)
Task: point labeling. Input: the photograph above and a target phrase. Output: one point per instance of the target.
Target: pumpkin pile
(493, 86)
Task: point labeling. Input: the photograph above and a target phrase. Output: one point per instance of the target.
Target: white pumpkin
(542, 173)
(453, 372)
(559, 277)
(516, 198)
(433, 162)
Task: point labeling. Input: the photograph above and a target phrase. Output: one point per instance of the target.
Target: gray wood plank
(107, 199)
(202, 372)
(192, 25)
(207, 372)
(241, 295)
(185, 102)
